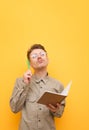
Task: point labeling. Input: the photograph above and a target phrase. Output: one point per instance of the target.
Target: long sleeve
(19, 94)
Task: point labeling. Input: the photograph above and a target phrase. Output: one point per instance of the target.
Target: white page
(66, 90)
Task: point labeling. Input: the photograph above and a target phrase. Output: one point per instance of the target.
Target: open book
(53, 98)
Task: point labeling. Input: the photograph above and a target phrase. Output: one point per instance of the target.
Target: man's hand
(54, 108)
(27, 76)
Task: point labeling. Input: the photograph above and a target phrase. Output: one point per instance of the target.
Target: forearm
(18, 96)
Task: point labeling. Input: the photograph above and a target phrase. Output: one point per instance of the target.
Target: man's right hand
(27, 76)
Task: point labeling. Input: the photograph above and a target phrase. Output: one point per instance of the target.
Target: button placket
(42, 85)
(41, 88)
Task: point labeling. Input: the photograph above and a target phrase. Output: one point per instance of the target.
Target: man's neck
(40, 73)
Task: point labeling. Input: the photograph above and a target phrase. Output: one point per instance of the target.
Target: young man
(30, 87)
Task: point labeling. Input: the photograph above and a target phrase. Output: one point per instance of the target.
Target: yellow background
(62, 27)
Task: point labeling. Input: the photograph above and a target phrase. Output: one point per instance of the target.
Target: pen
(28, 64)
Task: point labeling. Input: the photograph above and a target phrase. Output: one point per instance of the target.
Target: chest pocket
(32, 96)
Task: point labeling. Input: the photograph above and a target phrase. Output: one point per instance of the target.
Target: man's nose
(39, 56)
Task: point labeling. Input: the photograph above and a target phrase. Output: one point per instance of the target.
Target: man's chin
(41, 67)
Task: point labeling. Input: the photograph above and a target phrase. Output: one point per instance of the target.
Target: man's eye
(34, 56)
(42, 54)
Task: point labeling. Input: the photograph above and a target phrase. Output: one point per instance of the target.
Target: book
(53, 98)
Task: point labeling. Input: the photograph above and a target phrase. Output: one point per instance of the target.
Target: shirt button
(40, 109)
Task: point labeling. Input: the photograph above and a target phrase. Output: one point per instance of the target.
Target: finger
(58, 105)
(28, 76)
(53, 109)
(51, 106)
(29, 73)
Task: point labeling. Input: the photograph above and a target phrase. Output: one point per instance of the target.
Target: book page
(66, 90)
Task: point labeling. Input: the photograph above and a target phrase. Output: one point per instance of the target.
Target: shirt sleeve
(19, 95)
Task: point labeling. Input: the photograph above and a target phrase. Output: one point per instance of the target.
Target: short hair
(35, 46)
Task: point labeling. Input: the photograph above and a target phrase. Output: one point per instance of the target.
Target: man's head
(35, 46)
(37, 55)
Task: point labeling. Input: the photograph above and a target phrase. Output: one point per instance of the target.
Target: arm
(20, 92)
(18, 96)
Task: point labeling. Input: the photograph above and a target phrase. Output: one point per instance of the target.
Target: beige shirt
(24, 97)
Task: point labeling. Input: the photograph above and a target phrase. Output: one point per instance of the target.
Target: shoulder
(19, 83)
(19, 79)
(56, 82)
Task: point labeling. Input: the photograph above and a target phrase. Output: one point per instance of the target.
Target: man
(30, 87)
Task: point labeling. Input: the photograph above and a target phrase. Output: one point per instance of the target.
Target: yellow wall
(62, 27)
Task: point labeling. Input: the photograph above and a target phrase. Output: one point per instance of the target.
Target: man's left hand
(54, 108)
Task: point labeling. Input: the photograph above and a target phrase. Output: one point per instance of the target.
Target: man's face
(38, 59)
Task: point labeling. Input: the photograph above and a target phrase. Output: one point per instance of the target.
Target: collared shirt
(24, 97)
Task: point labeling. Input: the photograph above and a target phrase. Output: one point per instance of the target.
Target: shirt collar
(43, 79)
